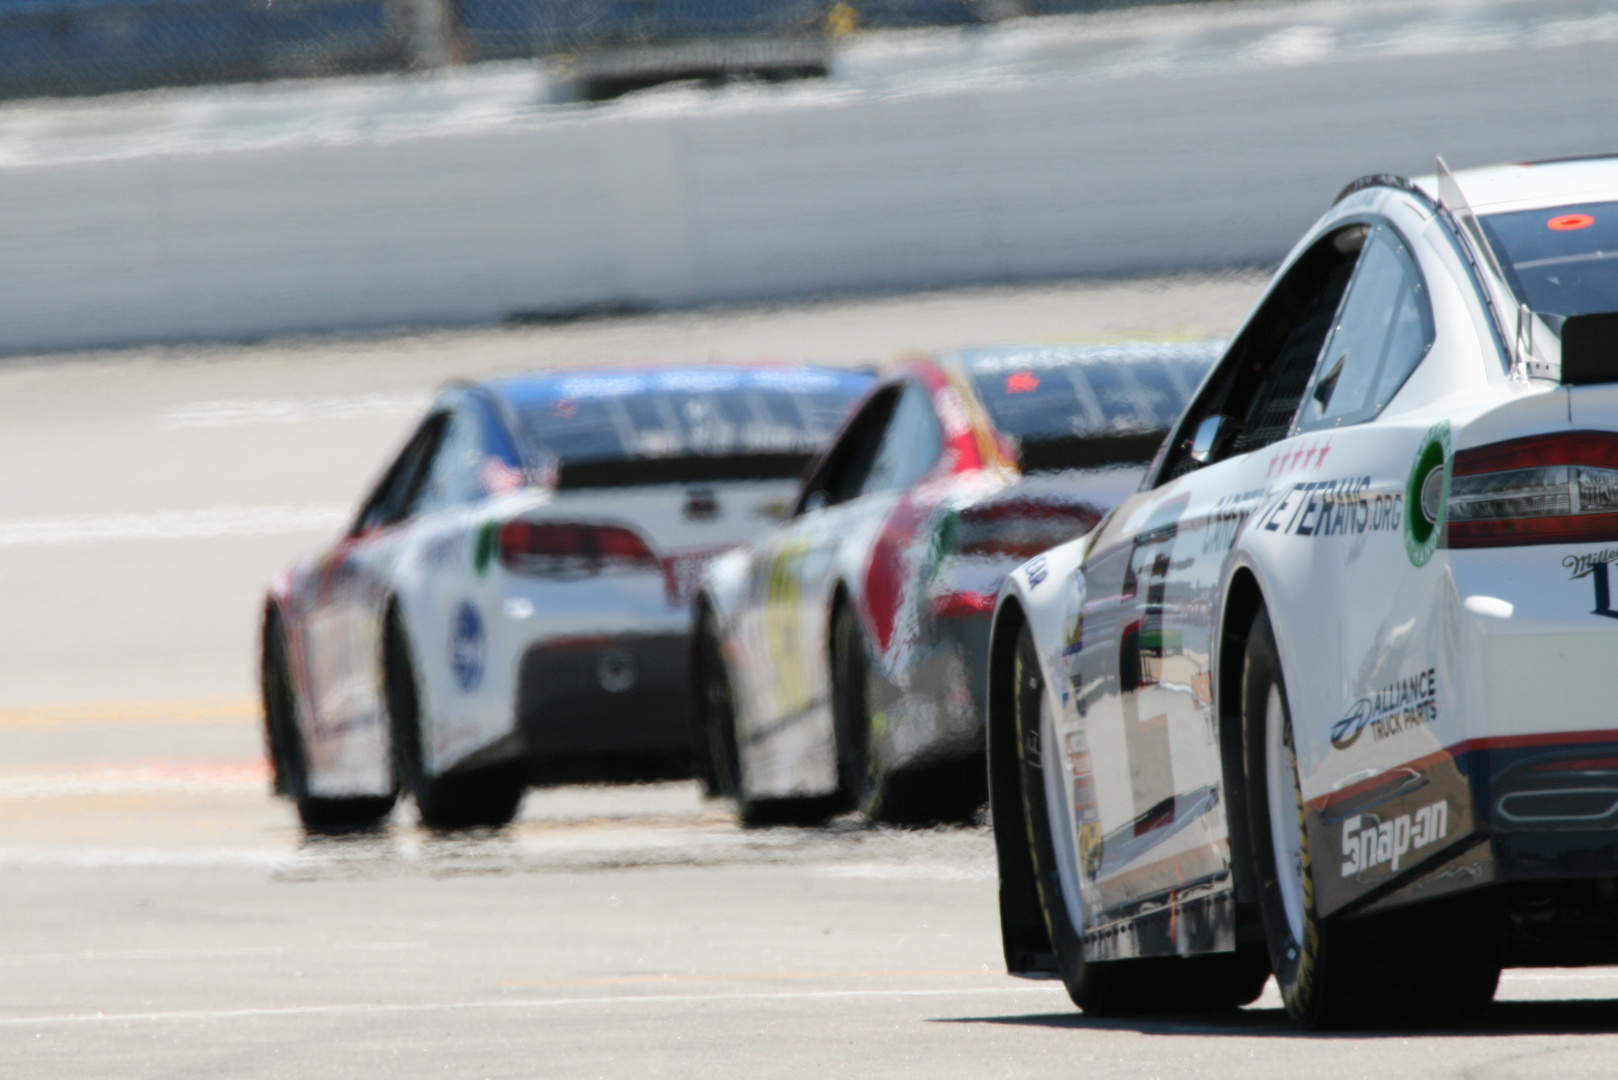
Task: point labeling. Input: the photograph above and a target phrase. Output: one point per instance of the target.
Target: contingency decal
(488, 542)
(1595, 566)
(1398, 707)
(783, 625)
(467, 647)
(1427, 496)
(1035, 571)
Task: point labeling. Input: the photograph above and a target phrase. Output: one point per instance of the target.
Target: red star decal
(1024, 382)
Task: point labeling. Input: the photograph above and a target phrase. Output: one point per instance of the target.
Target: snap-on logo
(1369, 842)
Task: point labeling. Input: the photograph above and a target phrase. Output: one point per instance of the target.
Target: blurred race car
(1330, 696)
(841, 656)
(515, 593)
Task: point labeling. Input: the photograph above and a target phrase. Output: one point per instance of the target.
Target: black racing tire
(1437, 963)
(702, 754)
(717, 718)
(285, 749)
(861, 778)
(944, 791)
(1137, 987)
(948, 791)
(487, 797)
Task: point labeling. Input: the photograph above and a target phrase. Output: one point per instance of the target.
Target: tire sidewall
(280, 713)
(1295, 963)
(1066, 939)
(403, 699)
(859, 775)
(718, 712)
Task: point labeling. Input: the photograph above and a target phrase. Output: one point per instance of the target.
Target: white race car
(840, 656)
(1328, 696)
(514, 596)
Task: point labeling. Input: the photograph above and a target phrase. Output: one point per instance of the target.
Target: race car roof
(526, 391)
(1081, 390)
(1533, 185)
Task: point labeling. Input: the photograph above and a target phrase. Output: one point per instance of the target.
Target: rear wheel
(284, 745)
(477, 797)
(718, 722)
(1436, 963)
(948, 792)
(1151, 985)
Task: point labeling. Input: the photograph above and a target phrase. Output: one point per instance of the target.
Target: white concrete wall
(694, 198)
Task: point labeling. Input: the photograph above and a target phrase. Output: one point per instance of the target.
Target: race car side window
(1384, 328)
(841, 473)
(452, 480)
(391, 498)
(910, 447)
(1255, 391)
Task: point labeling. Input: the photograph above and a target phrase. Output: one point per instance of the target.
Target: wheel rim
(1286, 811)
(1058, 806)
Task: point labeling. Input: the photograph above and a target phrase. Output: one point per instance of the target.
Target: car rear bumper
(1540, 808)
(605, 694)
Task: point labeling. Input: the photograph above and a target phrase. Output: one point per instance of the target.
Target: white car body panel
(1400, 658)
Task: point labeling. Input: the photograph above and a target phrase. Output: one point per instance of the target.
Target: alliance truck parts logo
(1397, 707)
(1369, 842)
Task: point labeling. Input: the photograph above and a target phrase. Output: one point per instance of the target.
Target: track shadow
(1577, 1017)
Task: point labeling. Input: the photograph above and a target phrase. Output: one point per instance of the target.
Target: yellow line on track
(203, 710)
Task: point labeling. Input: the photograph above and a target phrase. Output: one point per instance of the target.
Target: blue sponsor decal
(1036, 572)
(467, 647)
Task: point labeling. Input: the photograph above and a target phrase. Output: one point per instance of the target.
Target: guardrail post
(426, 31)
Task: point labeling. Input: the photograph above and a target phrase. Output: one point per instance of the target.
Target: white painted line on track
(203, 524)
(374, 1008)
(907, 871)
(142, 778)
(103, 858)
(215, 414)
(236, 950)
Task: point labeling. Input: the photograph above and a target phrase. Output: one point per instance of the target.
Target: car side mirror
(815, 500)
(1206, 439)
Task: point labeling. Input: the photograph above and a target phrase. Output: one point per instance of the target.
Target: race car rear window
(1062, 395)
(1561, 260)
(681, 424)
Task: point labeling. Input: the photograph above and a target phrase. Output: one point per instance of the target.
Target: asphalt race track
(163, 917)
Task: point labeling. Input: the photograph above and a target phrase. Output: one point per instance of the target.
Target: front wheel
(1435, 963)
(1151, 985)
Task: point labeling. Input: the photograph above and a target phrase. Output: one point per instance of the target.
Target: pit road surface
(164, 918)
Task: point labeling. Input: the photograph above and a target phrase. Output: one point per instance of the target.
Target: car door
(1372, 690)
(465, 662)
(346, 736)
(1141, 648)
(784, 625)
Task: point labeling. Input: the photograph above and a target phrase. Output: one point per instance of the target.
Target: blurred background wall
(1159, 138)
